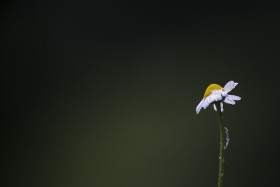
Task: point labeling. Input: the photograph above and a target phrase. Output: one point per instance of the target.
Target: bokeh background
(103, 93)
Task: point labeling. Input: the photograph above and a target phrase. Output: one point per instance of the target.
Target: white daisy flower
(215, 92)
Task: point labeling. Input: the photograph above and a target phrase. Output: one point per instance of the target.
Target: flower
(215, 92)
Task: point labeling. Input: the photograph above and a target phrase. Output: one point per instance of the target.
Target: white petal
(229, 86)
(229, 101)
(234, 97)
(199, 106)
(214, 107)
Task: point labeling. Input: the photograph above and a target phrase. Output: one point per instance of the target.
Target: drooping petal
(229, 86)
(199, 106)
(214, 107)
(206, 103)
(222, 107)
(229, 101)
(234, 97)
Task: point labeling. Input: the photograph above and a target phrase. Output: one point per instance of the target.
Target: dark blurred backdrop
(103, 93)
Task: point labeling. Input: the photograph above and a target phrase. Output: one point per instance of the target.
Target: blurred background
(103, 93)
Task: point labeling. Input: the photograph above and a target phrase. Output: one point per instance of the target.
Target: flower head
(215, 92)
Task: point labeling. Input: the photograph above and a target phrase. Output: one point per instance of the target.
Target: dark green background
(103, 93)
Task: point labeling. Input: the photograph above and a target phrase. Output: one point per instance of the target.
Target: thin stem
(222, 150)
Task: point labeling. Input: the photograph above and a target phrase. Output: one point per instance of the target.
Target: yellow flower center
(212, 87)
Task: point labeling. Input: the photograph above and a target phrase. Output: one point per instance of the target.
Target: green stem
(222, 150)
